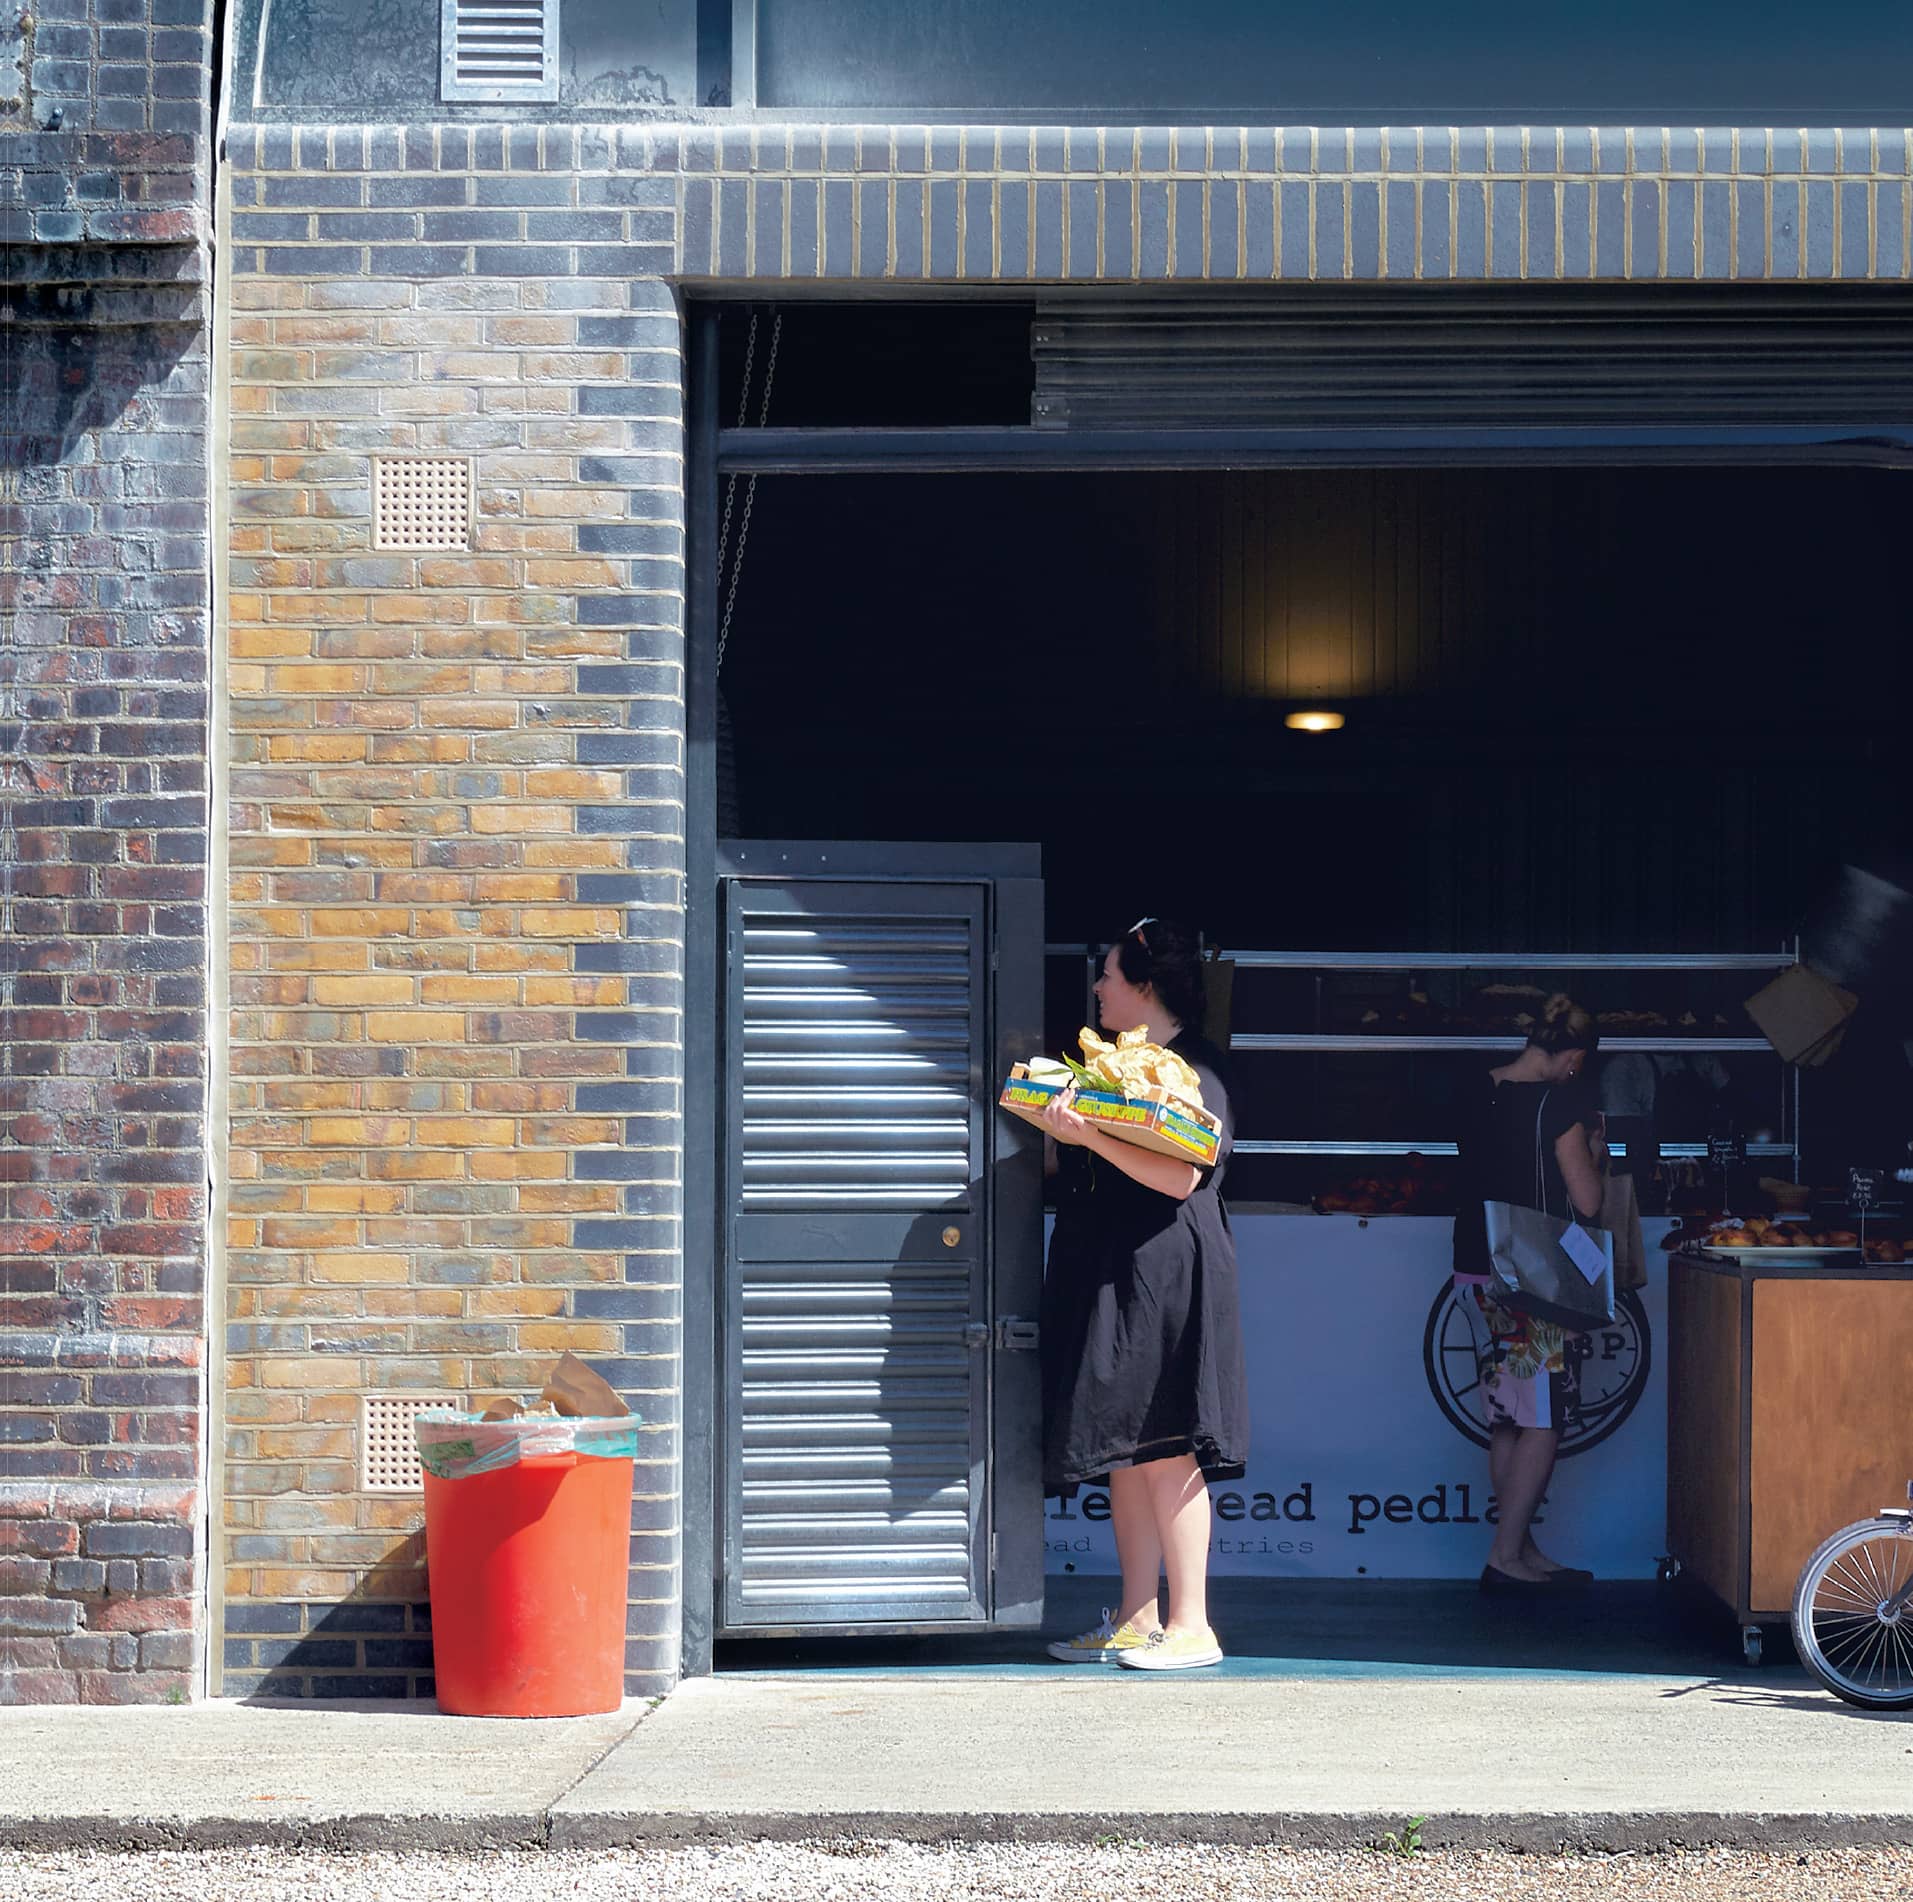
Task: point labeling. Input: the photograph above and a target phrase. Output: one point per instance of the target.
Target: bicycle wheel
(1845, 1627)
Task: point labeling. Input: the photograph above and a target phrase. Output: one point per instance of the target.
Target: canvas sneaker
(1173, 1651)
(1108, 1640)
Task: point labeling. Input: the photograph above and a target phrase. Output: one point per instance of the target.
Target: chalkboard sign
(1726, 1152)
(1863, 1189)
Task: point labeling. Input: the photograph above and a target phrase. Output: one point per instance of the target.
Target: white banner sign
(1368, 1453)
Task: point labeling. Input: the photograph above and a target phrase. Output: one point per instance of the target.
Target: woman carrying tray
(1143, 1377)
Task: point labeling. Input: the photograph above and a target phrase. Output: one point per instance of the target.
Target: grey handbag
(1534, 1273)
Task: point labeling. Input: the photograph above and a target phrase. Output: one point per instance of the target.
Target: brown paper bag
(1621, 1217)
(579, 1394)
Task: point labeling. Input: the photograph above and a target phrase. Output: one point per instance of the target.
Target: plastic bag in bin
(577, 1412)
(453, 1445)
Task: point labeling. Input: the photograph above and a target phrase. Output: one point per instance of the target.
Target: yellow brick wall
(404, 915)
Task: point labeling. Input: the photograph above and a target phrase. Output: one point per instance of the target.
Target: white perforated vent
(421, 502)
(388, 1454)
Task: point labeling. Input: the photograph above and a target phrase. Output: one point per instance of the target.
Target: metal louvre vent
(1439, 355)
(498, 49)
(856, 1063)
(388, 1453)
(421, 502)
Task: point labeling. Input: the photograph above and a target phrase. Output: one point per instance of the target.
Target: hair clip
(1136, 931)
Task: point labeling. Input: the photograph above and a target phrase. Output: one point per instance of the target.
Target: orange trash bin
(529, 1569)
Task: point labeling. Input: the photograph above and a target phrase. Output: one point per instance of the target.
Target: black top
(1141, 1324)
(1498, 1137)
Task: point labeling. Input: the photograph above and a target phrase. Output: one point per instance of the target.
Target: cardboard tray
(1189, 1135)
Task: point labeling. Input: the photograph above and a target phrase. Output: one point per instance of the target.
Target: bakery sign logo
(1614, 1368)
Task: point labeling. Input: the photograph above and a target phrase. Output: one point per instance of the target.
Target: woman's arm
(1574, 1151)
(1164, 1174)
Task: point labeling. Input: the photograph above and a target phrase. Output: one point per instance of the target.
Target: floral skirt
(1529, 1377)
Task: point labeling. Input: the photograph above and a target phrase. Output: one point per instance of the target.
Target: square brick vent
(421, 502)
(388, 1454)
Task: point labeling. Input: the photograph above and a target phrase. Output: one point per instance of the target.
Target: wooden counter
(1788, 1415)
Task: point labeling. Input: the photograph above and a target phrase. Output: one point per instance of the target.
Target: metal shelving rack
(1411, 963)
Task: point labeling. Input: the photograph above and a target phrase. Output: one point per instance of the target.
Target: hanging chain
(750, 482)
(743, 416)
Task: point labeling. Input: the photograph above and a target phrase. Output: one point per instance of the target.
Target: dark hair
(1159, 952)
(1564, 1025)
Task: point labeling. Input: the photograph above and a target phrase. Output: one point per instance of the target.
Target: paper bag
(1621, 1217)
(1802, 1014)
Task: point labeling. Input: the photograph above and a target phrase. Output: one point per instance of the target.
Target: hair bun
(1557, 1007)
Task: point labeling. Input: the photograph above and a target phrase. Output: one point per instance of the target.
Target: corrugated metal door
(859, 1325)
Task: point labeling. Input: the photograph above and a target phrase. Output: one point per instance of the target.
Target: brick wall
(103, 837)
(105, 65)
(103, 840)
(456, 823)
(456, 832)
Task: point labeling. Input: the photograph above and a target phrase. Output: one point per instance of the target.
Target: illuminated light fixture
(1315, 720)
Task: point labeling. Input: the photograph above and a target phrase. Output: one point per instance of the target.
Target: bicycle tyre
(1837, 1632)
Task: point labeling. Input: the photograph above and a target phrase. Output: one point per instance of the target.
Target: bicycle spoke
(1858, 1574)
(1847, 1644)
(1848, 1647)
(1835, 1587)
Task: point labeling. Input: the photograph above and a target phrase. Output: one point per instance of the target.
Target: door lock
(952, 1235)
(1014, 1336)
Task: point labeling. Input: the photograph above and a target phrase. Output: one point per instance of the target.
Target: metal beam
(830, 451)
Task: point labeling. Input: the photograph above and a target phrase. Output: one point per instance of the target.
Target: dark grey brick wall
(104, 604)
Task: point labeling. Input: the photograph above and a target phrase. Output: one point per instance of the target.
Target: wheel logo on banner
(1614, 1367)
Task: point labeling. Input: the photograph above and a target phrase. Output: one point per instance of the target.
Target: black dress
(1506, 1129)
(1141, 1322)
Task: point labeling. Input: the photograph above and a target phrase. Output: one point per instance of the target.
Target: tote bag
(1535, 1273)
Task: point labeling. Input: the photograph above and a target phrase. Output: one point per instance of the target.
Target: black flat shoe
(1570, 1578)
(1499, 1584)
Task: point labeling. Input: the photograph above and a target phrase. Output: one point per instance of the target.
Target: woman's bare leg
(1500, 1450)
(1182, 1525)
(1132, 1516)
(1521, 1476)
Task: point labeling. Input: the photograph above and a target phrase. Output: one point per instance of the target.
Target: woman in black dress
(1536, 1115)
(1143, 1378)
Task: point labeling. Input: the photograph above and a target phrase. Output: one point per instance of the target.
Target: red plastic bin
(529, 1568)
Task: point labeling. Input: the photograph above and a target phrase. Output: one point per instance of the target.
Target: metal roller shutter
(1330, 356)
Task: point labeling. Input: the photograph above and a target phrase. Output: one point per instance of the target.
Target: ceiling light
(1314, 720)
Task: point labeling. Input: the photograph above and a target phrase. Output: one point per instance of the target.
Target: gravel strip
(852, 1870)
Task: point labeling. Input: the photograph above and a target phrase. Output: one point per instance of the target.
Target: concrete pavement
(1527, 1759)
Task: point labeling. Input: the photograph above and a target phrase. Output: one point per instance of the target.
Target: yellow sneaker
(1107, 1641)
(1173, 1651)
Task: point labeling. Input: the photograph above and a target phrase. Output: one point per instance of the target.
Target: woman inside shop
(1530, 1121)
(1143, 1381)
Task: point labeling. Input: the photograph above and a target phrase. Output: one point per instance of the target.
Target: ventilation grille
(421, 502)
(388, 1453)
(498, 49)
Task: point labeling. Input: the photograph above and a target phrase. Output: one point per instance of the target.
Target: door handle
(1015, 1336)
